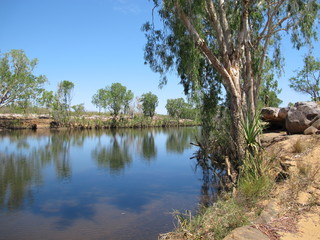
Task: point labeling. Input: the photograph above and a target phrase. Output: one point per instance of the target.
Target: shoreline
(289, 210)
(45, 121)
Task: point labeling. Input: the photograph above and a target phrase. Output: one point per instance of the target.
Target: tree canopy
(17, 80)
(307, 80)
(64, 93)
(99, 99)
(268, 95)
(117, 98)
(230, 38)
(176, 107)
(149, 104)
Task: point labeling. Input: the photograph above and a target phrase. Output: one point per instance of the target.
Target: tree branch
(266, 27)
(219, 33)
(225, 27)
(226, 78)
(244, 32)
(274, 30)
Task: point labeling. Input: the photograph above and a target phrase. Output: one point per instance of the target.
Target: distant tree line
(21, 88)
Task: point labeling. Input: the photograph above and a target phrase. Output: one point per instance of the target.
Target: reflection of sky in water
(107, 185)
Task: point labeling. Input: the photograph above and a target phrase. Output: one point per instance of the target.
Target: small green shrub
(251, 189)
(252, 127)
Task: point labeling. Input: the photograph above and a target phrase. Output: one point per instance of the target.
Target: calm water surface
(95, 184)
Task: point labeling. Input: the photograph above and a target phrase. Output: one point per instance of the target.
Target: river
(120, 185)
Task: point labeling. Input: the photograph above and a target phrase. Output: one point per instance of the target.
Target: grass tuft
(214, 222)
(298, 146)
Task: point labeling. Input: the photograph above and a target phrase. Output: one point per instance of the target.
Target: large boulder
(276, 117)
(301, 116)
(311, 130)
(283, 113)
(269, 113)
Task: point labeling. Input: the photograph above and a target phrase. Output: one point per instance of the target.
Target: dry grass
(300, 181)
(298, 146)
(304, 144)
(213, 223)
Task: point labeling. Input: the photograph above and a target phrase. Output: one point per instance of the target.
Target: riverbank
(288, 209)
(45, 121)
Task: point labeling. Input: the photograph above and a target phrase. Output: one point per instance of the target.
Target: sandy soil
(298, 198)
(308, 227)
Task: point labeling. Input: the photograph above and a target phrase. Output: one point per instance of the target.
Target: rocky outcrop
(276, 117)
(301, 116)
(310, 131)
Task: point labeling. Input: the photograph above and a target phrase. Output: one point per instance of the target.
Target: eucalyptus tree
(149, 103)
(118, 98)
(233, 38)
(78, 109)
(64, 94)
(17, 79)
(307, 80)
(100, 99)
(176, 107)
(61, 101)
(47, 99)
(126, 103)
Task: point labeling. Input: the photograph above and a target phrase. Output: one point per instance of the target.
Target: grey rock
(301, 116)
(269, 113)
(316, 124)
(283, 113)
(310, 130)
(274, 116)
(269, 213)
(246, 233)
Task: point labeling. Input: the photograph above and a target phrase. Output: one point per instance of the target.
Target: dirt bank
(25, 121)
(35, 121)
(293, 209)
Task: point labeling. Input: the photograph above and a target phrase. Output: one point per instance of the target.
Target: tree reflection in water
(148, 147)
(21, 167)
(114, 155)
(179, 139)
(18, 173)
(212, 180)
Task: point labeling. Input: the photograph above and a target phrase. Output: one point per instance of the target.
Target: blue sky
(95, 43)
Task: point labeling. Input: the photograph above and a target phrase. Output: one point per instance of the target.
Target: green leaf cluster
(268, 94)
(307, 80)
(179, 109)
(116, 98)
(18, 83)
(149, 104)
(171, 46)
